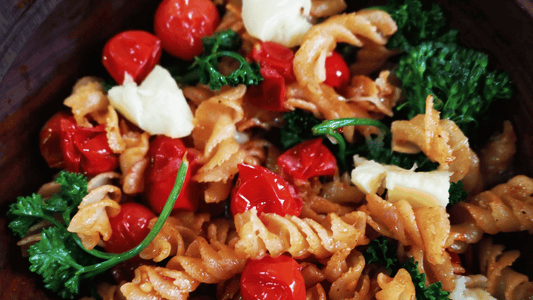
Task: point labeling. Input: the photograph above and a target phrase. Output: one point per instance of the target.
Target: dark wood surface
(46, 45)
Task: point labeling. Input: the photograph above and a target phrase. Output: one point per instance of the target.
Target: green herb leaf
(379, 251)
(417, 22)
(205, 67)
(382, 252)
(457, 77)
(227, 40)
(298, 128)
(432, 292)
(59, 256)
(457, 193)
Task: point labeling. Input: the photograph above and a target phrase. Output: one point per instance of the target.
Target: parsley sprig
(204, 69)
(383, 252)
(59, 257)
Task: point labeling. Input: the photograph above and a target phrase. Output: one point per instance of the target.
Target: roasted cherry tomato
(86, 150)
(337, 71)
(275, 61)
(181, 25)
(272, 278)
(275, 56)
(308, 159)
(264, 190)
(135, 52)
(165, 158)
(129, 227)
(50, 140)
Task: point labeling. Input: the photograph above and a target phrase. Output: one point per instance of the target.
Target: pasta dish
(281, 150)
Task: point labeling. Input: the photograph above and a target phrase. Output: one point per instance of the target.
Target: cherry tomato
(275, 61)
(129, 227)
(50, 140)
(181, 25)
(86, 150)
(165, 158)
(337, 71)
(135, 52)
(308, 159)
(264, 190)
(275, 56)
(272, 278)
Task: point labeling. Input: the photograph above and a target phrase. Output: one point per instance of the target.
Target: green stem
(95, 269)
(330, 127)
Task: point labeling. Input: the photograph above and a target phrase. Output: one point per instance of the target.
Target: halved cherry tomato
(260, 188)
(135, 52)
(181, 25)
(129, 227)
(165, 158)
(275, 61)
(50, 140)
(337, 71)
(275, 56)
(308, 159)
(86, 150)
(269, 278)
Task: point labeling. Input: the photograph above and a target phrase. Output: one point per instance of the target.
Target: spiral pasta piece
(440, 140)
(343, 271)
(92, 219)
(211, 262)
(299, 237)
(320, 41)
(229, 289)
(178, 232)
(214, 135)
(133, 160)
(425, 227)
(400, 287)
(497, 155)
(153, 282)
(87, 99)
(502, 281)
(375, 96)
(507, 207)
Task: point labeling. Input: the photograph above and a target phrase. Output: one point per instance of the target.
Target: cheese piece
(280, 21)
(368, 175)
(419, 188)
(461, 292)
(157, 106)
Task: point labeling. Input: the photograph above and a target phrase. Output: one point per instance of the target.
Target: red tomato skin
(271, 278)
(86, 150)
(275, 56)
(264, 190)
(165, 158)
(308, 159)
(50, 140)
(275, 63)
(181, 25)
(135, 52)
(129, 227)
(337, 72)
(270, 93)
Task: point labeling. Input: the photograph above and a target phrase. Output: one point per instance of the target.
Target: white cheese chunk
(419, 188)
(280, 21)
(461, 292)
(157, 106)
(368, 175)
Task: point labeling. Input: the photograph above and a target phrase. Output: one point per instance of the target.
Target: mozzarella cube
(157, 106)
(419, 188)
(280, 21)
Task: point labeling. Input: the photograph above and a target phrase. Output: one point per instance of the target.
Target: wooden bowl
(47, 45)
